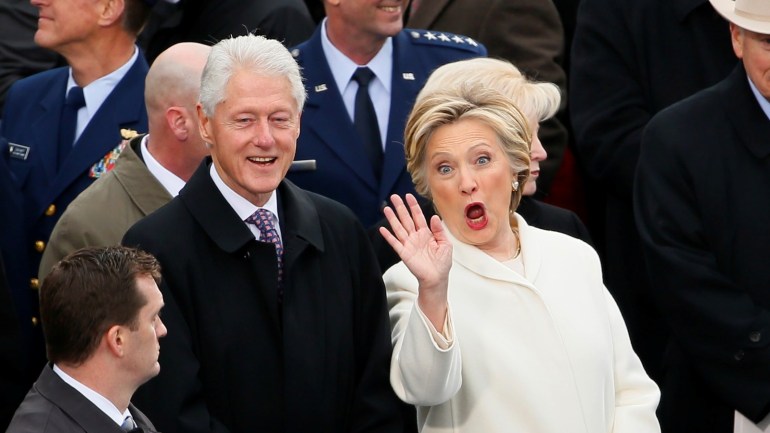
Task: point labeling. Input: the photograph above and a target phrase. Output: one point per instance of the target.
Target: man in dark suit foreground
(702, 209)
(101, 319)
(275, 306)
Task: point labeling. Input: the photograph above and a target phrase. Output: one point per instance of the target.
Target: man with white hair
(276, 310)
(701, 207)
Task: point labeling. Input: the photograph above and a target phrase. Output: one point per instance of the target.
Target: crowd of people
(384, 216)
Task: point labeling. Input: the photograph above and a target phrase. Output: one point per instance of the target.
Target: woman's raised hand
(424, 249)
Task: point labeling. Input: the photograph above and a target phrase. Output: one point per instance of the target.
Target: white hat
(753, 15)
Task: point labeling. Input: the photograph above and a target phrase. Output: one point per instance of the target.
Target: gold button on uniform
(34, 283)
(39, 246)
(51, 210)
(34, 321)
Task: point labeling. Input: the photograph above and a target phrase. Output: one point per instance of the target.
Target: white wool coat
(545, 353)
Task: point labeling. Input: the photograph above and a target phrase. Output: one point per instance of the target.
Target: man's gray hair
(252, 53)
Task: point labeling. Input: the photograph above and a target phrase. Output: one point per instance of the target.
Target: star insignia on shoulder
(471, 42)
(458, 39)
(444, 37)
(430, 36)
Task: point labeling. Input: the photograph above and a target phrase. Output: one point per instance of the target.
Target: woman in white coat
(499, 326)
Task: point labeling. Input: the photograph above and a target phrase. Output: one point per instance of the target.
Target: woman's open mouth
(476, 216)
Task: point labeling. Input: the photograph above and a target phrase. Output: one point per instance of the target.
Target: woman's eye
(483, 160)
(444, 169)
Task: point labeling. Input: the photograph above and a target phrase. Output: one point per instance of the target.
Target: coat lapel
(231, 235)
(427, 13)
(480, 263)
(140, 185)
(80, 410)
(124, 106)
(321, 114)
(749, 121)
(406, 83)
(46, 124)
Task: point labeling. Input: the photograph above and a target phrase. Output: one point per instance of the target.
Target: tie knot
(262, 218)
(128, 424)
(363, 76)
(75, 97)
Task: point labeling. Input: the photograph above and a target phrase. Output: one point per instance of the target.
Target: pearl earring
(515, 185)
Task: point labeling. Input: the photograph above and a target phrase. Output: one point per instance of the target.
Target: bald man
(151, 169)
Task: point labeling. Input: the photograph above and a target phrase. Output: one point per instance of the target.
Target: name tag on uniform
(18, 151)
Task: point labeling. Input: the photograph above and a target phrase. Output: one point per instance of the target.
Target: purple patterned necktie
(263, 219)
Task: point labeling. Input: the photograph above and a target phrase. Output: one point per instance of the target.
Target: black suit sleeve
(712, 318)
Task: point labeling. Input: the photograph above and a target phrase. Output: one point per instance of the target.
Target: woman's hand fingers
(417, 216)
(403, 213)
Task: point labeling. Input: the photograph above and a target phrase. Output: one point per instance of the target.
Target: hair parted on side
(467, 101)
(86, 293)
(252, 53)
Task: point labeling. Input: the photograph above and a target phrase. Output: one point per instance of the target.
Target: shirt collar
(763, 102)
(94, 397)
(171, 182)
(96, 92)
(240, 205)
(343, 68)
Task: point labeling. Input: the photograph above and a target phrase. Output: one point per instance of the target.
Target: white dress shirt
(243, 207)
(169, 180)
(97, 92)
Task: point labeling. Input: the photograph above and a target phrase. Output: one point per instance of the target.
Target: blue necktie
(365, 120)
(69, 122)
(263, 219)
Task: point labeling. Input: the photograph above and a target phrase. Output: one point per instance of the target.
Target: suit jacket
(53, 406)
(237, 361)
(31, 126)
(15, 334)
(704, 171)
(102, 214)
(527, 33)
(622, 74)
(535, 212)
(343, 171)
(548, 352)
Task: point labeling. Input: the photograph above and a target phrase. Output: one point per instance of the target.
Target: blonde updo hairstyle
(467, 101)
(538, 101)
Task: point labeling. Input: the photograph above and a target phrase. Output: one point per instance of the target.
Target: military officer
(63, 126)
(358, 148)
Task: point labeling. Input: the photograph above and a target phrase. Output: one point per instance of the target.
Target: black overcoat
(234, 360)
(702, 208)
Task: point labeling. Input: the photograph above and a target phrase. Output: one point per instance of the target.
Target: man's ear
(737, 35)
(114, 340)
(176, 119)
(204, 126)
(111, 11)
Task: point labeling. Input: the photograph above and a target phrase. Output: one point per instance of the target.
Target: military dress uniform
(31, 125)
(343, 171)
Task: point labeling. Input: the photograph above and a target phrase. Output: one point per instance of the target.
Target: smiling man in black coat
(274, 303)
